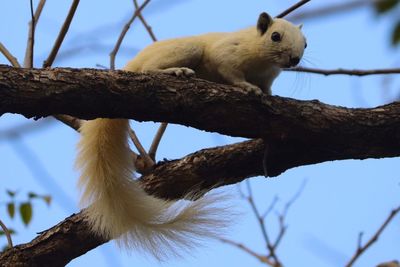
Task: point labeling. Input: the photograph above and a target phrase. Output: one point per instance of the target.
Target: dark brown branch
(72, 122)
(292, 8)
(54, 247)
(362, 248)
(204, 169)
(346, 72)
(60, 38)
(316, 131)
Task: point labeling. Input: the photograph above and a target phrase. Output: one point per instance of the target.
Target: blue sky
(340, 199)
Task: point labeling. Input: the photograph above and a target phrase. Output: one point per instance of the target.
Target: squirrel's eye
(276, 37)
(305, 45)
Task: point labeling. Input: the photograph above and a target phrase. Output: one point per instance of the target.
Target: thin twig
(271, 207)
(68, 120)
(282, 231)
(260, 220)
(13, 60)
(242, 247)
(346, 71)
(331, 9)
(250, 199)
(283, 215)
(359, 241)
(121, 37)
(292, 8)
(361, 249)
(28, 60)
(294, 198)
(60, 38)
(72, 122)
(156, 140)
(140, 148)
(148, 161)
(147, 26)
(32, 37)
(7, 233)
(160, 132)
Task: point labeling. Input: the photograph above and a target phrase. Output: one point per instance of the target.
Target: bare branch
(121, 37)
(292, 8)
(331, 9)
(283, 215)
(260, 220)
(294, 198)
(72, 122)
(361, 249)
(205, 169)
(306, 126)
(156, 140)
(271, 207)
(28, 60)
(14, 62)
(345, 71)
(7, 234)
(160, 132)
(147, 26)
(148, 161)
(262, 258)
(60, 38)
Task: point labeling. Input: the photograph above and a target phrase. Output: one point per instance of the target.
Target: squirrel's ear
(300, 26)
(264, 21)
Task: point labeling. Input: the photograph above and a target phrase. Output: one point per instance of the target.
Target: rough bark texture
(88, 93)
(296, 133)
(54, 247)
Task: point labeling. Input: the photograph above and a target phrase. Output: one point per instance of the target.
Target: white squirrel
(117, 205)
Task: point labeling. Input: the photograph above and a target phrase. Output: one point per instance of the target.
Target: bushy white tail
(119, 208)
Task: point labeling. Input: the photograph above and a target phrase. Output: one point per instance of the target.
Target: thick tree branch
(204, 169)
(297, 133)
(88, 93)
(54, 247)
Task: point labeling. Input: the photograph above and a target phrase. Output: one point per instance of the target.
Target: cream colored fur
(117, 206)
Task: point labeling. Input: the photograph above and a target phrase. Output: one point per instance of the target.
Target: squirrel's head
(285, 41)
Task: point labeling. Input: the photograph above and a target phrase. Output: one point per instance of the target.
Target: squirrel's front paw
(249, 88)
(180, 72)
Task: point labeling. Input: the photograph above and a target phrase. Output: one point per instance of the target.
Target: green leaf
(11, 193)
(12, 232)
(32, 195)
(11, 209)
(396, 34)
(25, 209)
(47, 199)
(384, 6)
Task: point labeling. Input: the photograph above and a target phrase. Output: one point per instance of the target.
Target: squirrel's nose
(294, 61)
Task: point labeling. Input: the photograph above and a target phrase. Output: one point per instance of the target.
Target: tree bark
(89, 93)
(295, 133)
